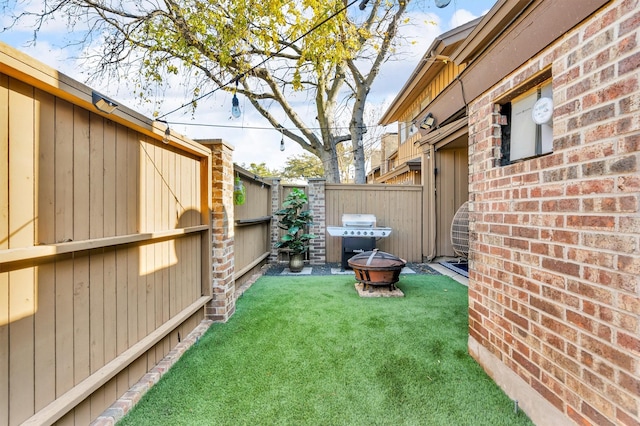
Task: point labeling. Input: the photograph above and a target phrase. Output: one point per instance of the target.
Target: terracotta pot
(296, 262)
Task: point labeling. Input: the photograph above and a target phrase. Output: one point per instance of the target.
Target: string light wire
(287, 45)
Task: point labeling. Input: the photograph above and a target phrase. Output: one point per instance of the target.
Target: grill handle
(371, 256)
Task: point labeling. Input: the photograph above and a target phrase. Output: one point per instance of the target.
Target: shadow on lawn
(309, 351)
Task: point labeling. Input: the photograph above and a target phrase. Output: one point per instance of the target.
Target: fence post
(275, 206)
(223, 304)
(318, 249)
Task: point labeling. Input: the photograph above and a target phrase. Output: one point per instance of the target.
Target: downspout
(431, 203)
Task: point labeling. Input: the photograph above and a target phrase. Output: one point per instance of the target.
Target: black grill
(354, 245)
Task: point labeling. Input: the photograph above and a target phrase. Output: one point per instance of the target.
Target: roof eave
(488, 28)
(426, 69)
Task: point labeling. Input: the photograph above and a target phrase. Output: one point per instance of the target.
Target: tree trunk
(357, 129)
(358, 159)
(330, 163)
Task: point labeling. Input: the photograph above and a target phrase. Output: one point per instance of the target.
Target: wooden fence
(104, 246)
(252, 226)
(396, 206)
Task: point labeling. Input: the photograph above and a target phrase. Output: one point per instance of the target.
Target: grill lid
(358, 220)
(376, 259)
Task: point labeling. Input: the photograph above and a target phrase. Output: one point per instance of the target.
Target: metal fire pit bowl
(377, 268)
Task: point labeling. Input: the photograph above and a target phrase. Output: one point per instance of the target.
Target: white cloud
(460, 17)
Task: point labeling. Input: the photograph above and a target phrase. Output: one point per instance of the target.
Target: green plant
(294, 220)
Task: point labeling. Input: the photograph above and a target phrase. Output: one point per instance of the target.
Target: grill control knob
(358, 233)
(345, 232)
(351, 232)
(384, 233)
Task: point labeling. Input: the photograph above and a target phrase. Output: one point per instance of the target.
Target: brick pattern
(130, 398)
(275, 231)
(554, 291)
(317, 249)
(316, 194)
(223, 305)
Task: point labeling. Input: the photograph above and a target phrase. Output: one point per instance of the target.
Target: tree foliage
(303, 166)
(262, 170)
(277, 53)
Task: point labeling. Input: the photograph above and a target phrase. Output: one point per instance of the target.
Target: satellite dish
(442, 3)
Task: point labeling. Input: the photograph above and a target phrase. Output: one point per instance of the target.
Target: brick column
(318, 250)
(275, 206)
(223, 304)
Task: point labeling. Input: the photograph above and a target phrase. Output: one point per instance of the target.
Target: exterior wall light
(428, 123)
(102, 103)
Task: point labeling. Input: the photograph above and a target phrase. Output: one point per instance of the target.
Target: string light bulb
(442, 3)
(167, 132)
(235, 103)
(282, 141)
(235, 107)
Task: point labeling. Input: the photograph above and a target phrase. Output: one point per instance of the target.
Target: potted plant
(295, 220)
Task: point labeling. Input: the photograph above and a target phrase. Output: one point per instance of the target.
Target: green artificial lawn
(307, 350)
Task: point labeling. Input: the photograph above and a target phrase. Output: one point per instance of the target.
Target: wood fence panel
(119, 326)
(80, 214)
(97, 318)
(45, 344)
(64, 325)
(252, 225)
(63, 138)
(159, 266)
(64, 173)
(90, 253)
(45, 315)
(4, 244)
(114, 260)
(396, 206)
(111, 321)
(99, 196)
(22, 297)
(173, 220)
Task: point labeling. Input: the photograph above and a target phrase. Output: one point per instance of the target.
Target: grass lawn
(309, 351)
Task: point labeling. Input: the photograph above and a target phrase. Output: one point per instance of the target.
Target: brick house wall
(554, 293)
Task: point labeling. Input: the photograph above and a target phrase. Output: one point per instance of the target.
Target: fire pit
(377, 268)
(359, 234)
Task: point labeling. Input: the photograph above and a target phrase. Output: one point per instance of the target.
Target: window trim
(535, 83)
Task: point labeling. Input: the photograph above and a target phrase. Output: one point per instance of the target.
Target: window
(406, 131)
(524, 136)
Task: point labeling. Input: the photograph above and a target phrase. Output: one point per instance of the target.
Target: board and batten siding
(396, 206)
(452, 191)
(103, 253)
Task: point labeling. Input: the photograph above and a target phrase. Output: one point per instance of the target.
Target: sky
(252, 137)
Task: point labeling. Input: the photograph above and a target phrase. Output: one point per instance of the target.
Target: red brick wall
(554, 294)
(223, 304)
